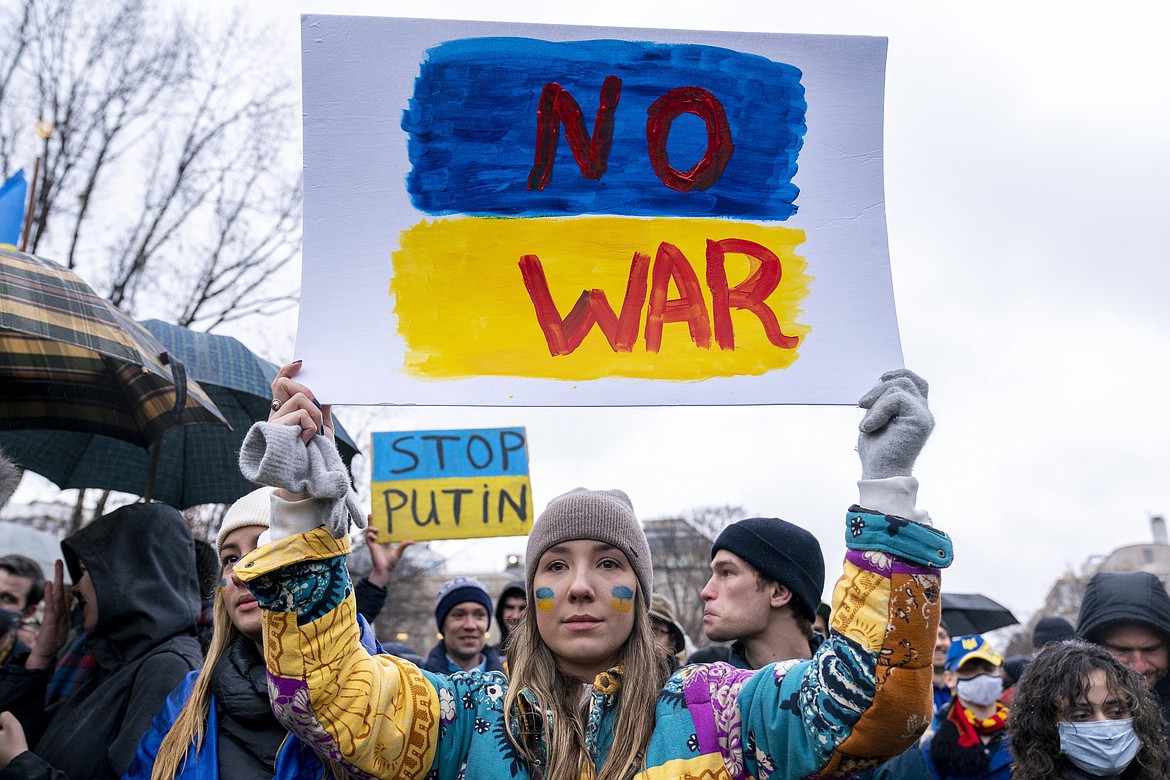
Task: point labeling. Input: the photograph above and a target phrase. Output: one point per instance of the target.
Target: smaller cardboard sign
(469, 484)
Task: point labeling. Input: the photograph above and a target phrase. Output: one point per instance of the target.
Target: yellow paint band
(451, 508)
(677, 298)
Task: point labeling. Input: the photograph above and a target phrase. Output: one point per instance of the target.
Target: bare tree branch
(171, 173)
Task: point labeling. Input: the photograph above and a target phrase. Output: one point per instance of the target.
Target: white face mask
(981, 690)
(1100, 748)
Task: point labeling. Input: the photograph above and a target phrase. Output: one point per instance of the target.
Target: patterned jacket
(863, 697)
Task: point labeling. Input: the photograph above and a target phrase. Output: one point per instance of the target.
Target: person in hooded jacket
(1128, 613)
(134, 575)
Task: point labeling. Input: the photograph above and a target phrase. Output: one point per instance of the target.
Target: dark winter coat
(141, 559)
(737, 654)
(437, 660)
(370, 599)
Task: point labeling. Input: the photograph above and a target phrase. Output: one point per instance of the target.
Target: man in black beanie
(766, 581)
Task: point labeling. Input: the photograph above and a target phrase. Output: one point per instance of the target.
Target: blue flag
(13, 195)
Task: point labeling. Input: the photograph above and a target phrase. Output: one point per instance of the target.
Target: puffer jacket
(863, 697)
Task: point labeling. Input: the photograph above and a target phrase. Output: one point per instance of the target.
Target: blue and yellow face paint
(623, 598)
(544, 599)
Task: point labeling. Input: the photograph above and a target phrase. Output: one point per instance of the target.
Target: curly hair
(1059, 677)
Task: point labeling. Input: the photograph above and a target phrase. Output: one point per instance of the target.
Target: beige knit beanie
(253, 509)
(603, 515)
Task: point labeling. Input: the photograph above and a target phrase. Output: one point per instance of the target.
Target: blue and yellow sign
(451, 484)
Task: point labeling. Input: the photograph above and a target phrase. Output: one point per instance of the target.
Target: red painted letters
(660, 115)
(558, 107)
(670, 264)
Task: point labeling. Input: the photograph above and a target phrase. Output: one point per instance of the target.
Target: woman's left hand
(294, 404)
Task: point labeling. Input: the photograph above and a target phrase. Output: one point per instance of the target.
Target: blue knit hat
(457, 591)
(782, 552)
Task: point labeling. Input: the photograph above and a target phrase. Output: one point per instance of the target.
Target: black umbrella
(196, 465)
(973, 613)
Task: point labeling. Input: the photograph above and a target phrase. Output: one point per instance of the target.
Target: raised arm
(865, 695)
(377, 716)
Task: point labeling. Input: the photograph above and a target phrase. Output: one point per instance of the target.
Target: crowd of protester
(254, 657)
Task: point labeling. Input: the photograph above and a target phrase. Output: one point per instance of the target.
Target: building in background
(1064, 598)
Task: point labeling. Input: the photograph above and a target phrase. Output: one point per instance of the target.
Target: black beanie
(1051, 629)
(782, 552)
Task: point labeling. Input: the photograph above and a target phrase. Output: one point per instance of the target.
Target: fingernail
(298, 361)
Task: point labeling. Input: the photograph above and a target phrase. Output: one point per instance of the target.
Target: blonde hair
(537, 687)
(191, 724)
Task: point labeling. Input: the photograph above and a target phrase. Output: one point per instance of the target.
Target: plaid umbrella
(69, 360)
(196, 465)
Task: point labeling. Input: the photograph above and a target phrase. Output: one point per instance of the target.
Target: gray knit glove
(896, 425)
(274, 455)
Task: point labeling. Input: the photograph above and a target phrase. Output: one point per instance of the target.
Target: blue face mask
(1101, 748)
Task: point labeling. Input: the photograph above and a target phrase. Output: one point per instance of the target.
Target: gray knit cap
(603, 515)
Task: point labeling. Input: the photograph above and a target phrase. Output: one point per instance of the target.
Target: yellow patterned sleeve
(377, 716)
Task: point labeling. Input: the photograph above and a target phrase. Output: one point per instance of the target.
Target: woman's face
(584, 593)
(1097, 703)
(241, 605)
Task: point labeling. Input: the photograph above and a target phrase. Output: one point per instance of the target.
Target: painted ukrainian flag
(633, 188)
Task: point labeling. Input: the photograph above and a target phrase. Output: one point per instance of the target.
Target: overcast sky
(1027, 169)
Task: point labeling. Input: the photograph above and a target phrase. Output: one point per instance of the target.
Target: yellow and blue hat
(968, 648)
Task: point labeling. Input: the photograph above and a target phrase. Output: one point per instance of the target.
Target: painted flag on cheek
(623, 598)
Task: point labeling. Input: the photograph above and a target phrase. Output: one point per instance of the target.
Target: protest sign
(451, 484)
(537, 215)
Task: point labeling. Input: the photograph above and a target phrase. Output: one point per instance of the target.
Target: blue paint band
(489, 452)
(472, 127)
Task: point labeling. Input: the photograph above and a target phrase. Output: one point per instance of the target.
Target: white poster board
(508, 214)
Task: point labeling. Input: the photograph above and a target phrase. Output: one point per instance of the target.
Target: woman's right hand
(294, 404)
